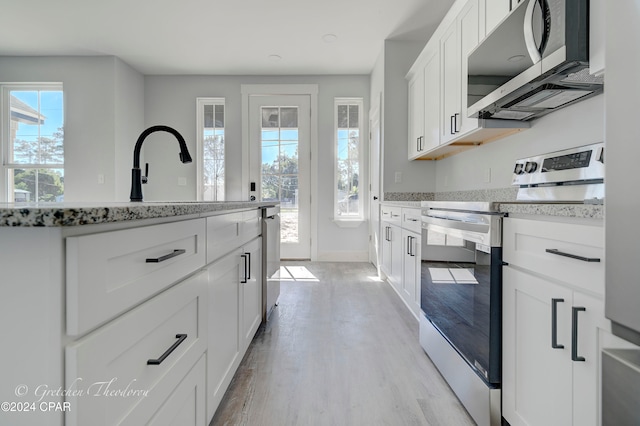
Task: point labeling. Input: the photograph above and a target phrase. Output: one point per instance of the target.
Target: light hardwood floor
(340, 349)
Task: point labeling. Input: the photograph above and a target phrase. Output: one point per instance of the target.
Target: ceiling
(232, 37)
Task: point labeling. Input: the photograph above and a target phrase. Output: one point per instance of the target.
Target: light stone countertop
(585, 211)
(402, 203)
(75, 214)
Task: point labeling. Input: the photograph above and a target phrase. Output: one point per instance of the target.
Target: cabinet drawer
(569, 252)
(411, 219)
(186, 405)
(109, 369)
(229, 231)
(111, 272)
(390, 214)
(251, 225)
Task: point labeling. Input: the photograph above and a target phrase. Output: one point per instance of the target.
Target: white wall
(388, 78)
(129, 123)
(91, 86)
(578, 124)
(171, 100)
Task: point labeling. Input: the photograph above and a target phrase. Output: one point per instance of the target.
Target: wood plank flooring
(340, 349)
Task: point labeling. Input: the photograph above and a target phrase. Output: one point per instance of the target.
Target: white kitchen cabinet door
(395, 235)
(411, 270)
(385, 249)
(150, 348)
(536, 378)
(450, 80)
(469, 37)
(186, 405)
(251, 291)
(496, 11)
(416, 114)
(597, 11)
(224, 346)
(431, 102)
(591, 325)
(459, 39)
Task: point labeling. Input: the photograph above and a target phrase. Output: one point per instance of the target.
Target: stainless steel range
(461, 301)
(575, 175)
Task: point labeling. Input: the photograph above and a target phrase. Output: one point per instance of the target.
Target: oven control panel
(571, 165)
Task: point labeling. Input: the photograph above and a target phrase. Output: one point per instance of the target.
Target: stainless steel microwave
(534, 62)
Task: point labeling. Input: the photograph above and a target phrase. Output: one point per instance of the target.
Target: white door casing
(374, 173)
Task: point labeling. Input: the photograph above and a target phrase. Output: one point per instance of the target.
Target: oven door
(461, 295)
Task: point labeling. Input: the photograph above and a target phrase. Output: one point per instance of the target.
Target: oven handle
(480, 228)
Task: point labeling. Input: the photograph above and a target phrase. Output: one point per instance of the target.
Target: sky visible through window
(50, 107)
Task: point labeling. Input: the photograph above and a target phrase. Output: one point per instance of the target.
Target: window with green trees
(211, 149)
(33, 143)
(348, 122)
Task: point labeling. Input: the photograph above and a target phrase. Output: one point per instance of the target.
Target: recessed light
(516, 58)
(329, 38)
(275, 58)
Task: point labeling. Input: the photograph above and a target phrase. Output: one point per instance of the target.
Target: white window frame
(200, 104)
(352, 220)
(5, 134)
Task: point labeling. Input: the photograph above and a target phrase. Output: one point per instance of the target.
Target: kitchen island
(125, 312)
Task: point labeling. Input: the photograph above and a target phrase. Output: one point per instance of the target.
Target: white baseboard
(343, 256)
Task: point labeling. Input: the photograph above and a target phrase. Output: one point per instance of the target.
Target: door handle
(574, 334)
(554, 323)
(455, 122)
(375, 198)
(451, 125)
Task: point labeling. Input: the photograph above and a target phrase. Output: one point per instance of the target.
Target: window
(211, 149)
(348, 122)
(32, 143)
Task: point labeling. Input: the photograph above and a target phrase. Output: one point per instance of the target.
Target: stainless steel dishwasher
(270, 259)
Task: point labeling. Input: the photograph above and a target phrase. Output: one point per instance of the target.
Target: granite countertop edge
(586, 211)
(571, 210)
(77, 214)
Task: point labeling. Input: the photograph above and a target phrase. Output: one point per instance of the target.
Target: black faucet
(136, 175)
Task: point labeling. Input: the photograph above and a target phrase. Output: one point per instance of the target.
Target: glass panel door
(280, 165)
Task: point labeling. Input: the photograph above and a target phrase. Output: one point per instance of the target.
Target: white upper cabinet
(496, 11)
(596, 36)
(445, 129)
(431, 137)
(424, 105)
(416, 112)
(459, 39)
(450, 80)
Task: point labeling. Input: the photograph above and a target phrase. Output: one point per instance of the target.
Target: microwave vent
(583, 77)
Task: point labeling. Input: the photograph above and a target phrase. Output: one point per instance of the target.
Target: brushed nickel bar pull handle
(181, 338)
(574, 334)
(554, 323)
(166, 256)
(573, 256)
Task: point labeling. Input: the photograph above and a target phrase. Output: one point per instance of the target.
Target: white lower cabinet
(128, 323)
(411, 270)
(401, 252)
(235, 313)
(552, 323)
(126, 370)
(251, 291)
(223, 353)
(186, 405)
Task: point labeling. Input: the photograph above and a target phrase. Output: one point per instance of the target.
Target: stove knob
(519, 169)
(530, 167)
